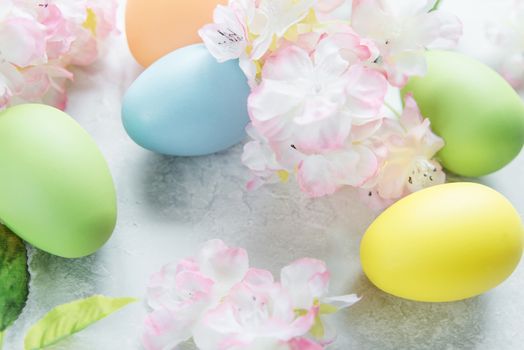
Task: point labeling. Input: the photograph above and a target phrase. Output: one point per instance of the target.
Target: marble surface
(168, 206)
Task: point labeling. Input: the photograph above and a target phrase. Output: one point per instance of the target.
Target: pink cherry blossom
(310, 100)
(215, 300)
(39, 41)
(318, 88)
(257, 310)
(507, 33)
(226, 38)
(402, 30)
(411, 145)
(323, 174)
(179, 294)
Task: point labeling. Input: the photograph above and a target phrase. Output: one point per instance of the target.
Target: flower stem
(1, 339)
(436, 6)
(390, 107)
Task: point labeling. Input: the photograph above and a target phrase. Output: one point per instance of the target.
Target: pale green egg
(475, 111)
(56, 191)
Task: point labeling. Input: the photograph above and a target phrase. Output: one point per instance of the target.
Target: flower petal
(225, 266)
(306, 280)
(165, 330)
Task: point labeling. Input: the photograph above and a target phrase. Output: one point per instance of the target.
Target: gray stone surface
(169, 205)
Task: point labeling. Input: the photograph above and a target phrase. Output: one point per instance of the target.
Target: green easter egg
(475, 111)
(56, 191)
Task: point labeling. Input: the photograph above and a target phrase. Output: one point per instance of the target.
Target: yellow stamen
(90, 22)
(283, 175)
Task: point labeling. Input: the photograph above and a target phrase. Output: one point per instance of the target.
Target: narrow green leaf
(14, 277)
(436, 6)
(1, 340)
(67, 319)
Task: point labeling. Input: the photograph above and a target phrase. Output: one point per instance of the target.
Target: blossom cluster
(41, 39)
(319, 71)
(507, 33)
(216, 299)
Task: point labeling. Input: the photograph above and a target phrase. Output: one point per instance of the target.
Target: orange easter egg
(157, 27)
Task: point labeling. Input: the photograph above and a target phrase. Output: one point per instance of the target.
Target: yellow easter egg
(444, 243)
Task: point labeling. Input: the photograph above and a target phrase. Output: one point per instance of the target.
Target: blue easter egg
(187, 104)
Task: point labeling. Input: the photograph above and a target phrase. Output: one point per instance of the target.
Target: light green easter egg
(475, 111)
(56, 191)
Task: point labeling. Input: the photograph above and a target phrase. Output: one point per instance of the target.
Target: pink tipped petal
(447, 29)
(22, 42)
(287, 64)
(257, 278)
(366, 90)
(306, 280)
(330, 133)
(272, 99)
(165, 330)
(226, 266)
(225, 39)
(361, 165)
(316, 176)
(304, 344)
(365, 131)
(411, 116)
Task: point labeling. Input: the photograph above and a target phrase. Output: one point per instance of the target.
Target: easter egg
(56, 191)
(475, 111)
(187, 104)
(444, 243)
(157, 27)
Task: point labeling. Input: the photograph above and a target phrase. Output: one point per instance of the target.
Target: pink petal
(357, 165)
(444, 30)
(329, 133)
(304, 344)
(366, 91)
(22, 41)
(411, 116)
(272, 99)
(226, 266)
(165, 330)
(365, 131)
(306, 280)
(316, 177)
(288, 64)
(226, 38)
(258, 278)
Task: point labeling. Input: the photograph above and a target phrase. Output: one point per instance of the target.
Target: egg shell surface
(156, 27)
(475, 111)
(187, 104)
(56, 191)
(444, 243)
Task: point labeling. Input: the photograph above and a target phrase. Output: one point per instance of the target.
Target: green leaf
(436, 6)
(14, 277)
(67, 319)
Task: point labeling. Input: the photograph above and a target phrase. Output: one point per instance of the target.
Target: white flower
(226, 38)
(181, 293)
(411, 146)
(256, 314)
(269, 20)
(402, 30)
(309, 101)
(507, 32)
